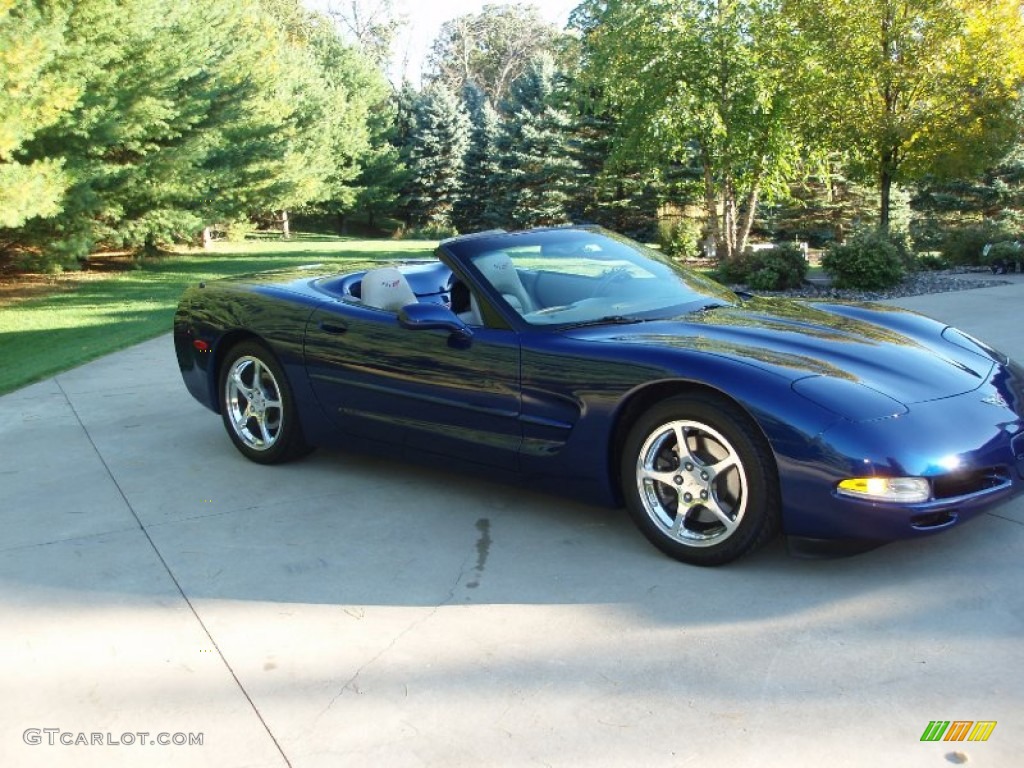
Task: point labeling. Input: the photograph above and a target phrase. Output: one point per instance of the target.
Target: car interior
(544, 285)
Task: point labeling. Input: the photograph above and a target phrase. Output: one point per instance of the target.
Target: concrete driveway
(345, 611)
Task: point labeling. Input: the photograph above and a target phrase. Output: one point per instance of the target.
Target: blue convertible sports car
(575, 359)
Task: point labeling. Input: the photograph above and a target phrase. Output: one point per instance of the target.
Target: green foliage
(679, 237)
(1003, 253)
(163, 119)
(779, 268)
(336, 154)
(491, 49)
(942, 206)
(821, 208)
(702, 82)
(913, 88)
(481, 161)
(930, 261)
(435, 156)
(869, 260)
(536, 164)
(32, 97)
(965, 245)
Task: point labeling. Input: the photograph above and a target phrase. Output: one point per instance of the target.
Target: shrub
(930, 261)
(771, 269)
(927, 233)
(735, 271)
(1002, 256)
(869, 260)
(238, 230)
(427, 232)
(964, 245)
(1005, 250)
(679, 238)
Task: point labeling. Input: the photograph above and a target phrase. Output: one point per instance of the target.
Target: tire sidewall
(760, 518)
(290, 442)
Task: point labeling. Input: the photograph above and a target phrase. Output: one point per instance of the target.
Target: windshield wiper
(709, 306)
(606, 320)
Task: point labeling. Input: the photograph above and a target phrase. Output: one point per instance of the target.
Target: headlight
(903, 490)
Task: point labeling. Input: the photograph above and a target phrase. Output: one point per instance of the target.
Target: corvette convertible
(580, 361)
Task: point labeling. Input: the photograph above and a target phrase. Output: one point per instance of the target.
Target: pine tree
(610, 190)
(157, 120)
(31, 98)
(165, 104)
(435, 158)
(481, 161)
(537, 168)
(331, 96)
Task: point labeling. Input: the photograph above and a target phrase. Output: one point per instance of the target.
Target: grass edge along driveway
(42, 336)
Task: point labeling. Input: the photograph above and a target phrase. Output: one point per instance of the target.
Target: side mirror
(432, 317)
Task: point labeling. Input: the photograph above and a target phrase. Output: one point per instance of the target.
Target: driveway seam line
(170, 573)
(110, 532)
(414, 624)
(1003, 517)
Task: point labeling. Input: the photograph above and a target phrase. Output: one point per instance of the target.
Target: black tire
(257, 405)
(727, 479)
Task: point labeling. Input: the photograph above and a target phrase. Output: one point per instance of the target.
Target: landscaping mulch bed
(917, 284)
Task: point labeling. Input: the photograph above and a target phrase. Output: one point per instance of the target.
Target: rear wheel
(257, 406)
(700, 481)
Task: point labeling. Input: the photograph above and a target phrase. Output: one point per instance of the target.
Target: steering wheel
(608, 280)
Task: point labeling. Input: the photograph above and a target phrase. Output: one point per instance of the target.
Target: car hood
(797, 340)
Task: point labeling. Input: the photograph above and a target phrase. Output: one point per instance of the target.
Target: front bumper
(971, 447)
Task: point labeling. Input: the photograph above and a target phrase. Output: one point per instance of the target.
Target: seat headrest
(500, 272)
(386, 288)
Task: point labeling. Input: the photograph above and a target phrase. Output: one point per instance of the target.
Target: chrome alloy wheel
(691, 483)
(252, 399)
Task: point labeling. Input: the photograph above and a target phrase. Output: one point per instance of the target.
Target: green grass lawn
(42, 336)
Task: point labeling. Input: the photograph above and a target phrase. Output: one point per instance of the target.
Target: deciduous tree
(490, 49)
(914, 88)
(707, 82)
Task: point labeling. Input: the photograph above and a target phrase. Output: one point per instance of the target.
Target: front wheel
(700, 481)
(257, 406)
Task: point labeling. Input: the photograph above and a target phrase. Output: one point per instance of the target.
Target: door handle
(332, 327)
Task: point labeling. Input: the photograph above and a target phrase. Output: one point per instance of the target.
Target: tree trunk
(729, 218)
(286, 228)
(748, 220)
(711, 205)
(885, 188)
(207, 238)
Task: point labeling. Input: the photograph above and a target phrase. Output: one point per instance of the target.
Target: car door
(427, 390)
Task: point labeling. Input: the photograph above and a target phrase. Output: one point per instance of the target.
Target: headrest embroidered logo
(958, 730)
(390, 283)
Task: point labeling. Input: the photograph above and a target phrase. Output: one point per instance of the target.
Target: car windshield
(586, 276)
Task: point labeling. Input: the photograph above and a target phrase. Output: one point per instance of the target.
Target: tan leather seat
(498, 269)
(386, 288)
